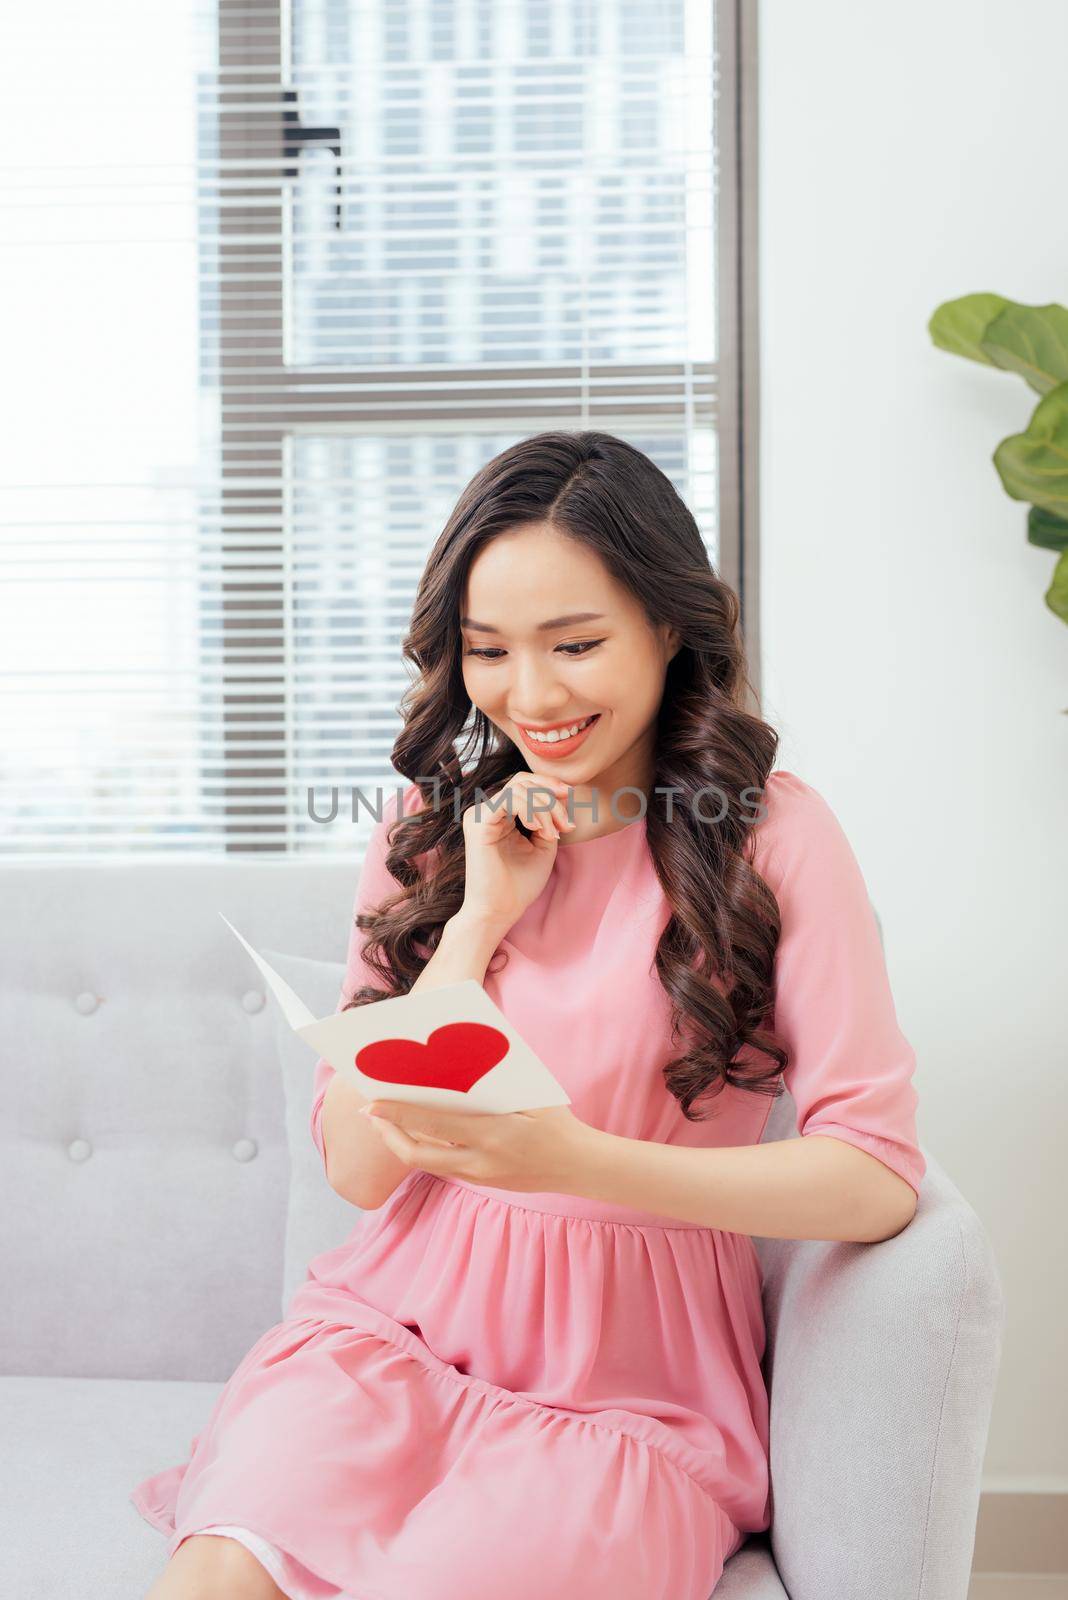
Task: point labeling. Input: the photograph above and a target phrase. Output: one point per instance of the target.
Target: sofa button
(253, 1001)
(87, 1003)
(79, 1149)
(244, 1149)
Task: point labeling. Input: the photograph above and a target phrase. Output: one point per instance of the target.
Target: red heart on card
(454, 1057)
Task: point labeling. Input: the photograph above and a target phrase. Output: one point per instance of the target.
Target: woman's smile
(552, 745)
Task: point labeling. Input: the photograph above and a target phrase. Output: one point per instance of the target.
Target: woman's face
(522, 674)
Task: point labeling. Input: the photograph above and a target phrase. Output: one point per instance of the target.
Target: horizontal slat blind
(286, 277)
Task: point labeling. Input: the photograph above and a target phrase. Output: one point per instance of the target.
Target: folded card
(449, 1047)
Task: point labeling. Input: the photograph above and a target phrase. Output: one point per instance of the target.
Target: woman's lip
(560, 747)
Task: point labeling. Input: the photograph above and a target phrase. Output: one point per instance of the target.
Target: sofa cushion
(317, 1218)
(74, 1449)
(751, 1574)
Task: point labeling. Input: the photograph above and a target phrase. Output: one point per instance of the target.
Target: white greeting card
(449, 1047)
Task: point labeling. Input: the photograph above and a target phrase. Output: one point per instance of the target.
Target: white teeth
(559, 733)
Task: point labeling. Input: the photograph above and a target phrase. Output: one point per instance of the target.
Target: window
(297, 270)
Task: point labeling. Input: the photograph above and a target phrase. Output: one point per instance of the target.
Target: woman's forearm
(815, 1187)
(464, 950)
(359, 1166)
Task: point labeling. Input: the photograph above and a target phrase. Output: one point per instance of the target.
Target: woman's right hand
(506, 870)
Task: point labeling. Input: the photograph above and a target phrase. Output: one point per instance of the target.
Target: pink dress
(484, 1392)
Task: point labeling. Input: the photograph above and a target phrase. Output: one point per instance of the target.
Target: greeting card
(450, 1047)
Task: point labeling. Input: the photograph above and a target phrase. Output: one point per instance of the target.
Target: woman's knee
(212, 1566)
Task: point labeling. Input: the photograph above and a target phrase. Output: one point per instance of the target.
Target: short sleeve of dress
(375, 884)
(850, 1066)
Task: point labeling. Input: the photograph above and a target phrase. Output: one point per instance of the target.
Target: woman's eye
(492, 653)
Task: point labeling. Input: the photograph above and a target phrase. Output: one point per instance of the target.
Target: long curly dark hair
(716, 955)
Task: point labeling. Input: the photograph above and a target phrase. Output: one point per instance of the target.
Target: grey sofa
(146, 1183)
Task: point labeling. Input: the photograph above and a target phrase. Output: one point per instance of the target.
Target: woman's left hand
(530, 1151)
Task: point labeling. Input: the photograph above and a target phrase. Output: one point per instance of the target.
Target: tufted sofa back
(145, 1168)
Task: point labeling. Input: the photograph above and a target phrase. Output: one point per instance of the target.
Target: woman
(534, 1368)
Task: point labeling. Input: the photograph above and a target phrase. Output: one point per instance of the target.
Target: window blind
(283, 278)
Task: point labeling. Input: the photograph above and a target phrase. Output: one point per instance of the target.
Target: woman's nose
(535, 688)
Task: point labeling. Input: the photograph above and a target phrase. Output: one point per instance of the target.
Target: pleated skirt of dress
(357, 1453)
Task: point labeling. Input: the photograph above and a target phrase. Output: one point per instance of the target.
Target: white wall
(911, 153)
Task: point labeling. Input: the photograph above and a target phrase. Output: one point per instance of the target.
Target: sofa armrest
(881, 1365)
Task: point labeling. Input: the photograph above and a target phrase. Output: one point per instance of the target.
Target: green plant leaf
(959, 325)
(1031, 341)
(1046, 530)
(1033, 465)
(1057, 593)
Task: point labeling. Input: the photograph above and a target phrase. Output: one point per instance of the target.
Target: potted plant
(1033, 466)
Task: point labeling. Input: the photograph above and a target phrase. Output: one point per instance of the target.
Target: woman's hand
(505, 870)
(540, 1151)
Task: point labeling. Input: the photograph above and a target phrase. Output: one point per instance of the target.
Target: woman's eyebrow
(543, 627)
